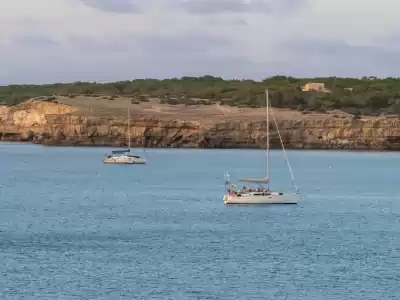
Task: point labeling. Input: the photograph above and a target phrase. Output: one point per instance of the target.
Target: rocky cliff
(53, 123)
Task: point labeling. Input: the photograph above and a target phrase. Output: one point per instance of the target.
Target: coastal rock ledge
(160, 125)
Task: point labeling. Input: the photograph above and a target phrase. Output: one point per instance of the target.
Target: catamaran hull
(265, 199)
(130, 161)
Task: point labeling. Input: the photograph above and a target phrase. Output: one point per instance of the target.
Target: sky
(47, 41)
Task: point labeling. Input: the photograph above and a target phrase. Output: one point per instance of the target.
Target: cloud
(112, 68)
(99, 46)
(128, 58)
(116, 6)
(391, 40)
(69, 40)
(159, 57)
(241, 6)
(34, 41)
(152, 46)
(327, 57)
(183, 45)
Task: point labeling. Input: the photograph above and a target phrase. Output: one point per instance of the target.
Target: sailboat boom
(255, 180)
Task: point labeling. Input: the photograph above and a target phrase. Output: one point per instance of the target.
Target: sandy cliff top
(103, 107)
(33, 112)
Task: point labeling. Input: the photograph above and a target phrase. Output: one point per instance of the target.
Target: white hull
(273, 198)
(124, 160)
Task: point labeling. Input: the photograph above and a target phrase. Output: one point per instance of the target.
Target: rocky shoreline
(52, 124)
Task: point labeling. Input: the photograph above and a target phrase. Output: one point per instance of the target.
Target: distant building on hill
(315, 87)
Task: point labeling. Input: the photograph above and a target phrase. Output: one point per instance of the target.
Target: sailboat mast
(267, 153)
(129, 129)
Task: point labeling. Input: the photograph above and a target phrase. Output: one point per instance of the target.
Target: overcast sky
(46, 41)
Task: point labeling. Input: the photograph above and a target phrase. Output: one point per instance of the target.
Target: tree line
(367, 95)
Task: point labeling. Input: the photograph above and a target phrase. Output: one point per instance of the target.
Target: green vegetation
(369, 95)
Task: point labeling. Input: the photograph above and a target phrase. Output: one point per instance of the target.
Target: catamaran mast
(267, 152)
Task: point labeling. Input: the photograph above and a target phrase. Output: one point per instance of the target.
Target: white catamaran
(124, 156)
(261, 195)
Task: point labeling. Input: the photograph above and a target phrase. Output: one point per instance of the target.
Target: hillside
(366, 96)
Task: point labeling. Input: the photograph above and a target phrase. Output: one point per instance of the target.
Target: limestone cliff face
(54, 124)
(3, 111)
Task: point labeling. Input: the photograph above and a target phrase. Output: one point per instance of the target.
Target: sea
(72, 227)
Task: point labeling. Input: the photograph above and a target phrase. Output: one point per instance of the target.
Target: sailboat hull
(273, 198)
(124, 160)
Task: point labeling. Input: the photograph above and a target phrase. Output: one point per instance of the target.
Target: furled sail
(120, 151)
(255, 180)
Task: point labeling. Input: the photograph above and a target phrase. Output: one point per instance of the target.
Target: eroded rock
(51, 123)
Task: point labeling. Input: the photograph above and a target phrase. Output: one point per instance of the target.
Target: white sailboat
(124, 156)
(261, 195)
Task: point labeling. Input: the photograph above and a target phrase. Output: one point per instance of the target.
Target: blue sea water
(74, 228)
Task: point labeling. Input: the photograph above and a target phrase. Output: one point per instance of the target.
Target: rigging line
(144, 148)
(284, 152)
(145, 152)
